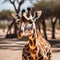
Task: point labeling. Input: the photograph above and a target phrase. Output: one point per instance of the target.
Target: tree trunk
(14, 35)
(53, 31)
(53, 23)
(59, 22)
(15, 27)
(17, 10)
(44, 29)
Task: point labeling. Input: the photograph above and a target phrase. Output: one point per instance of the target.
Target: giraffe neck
(43, 43)
(32, 46)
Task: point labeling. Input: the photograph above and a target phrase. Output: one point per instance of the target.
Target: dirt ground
(11, 49)
(17, 55)
(49, 32)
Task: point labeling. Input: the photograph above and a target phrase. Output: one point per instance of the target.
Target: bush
(3, 26)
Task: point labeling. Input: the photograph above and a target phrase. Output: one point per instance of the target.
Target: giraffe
(45, 45)
(37, 48)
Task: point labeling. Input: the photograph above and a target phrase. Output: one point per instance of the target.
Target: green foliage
(47, 7)
(3, 26)
(5, 15)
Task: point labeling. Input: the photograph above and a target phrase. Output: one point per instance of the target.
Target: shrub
(3, 26)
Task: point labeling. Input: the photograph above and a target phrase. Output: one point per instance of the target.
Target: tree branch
(13, 3)
(20, 3)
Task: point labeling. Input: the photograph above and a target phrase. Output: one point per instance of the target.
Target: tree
(45, 14)
(13, 2)
(5, 15)
(17, 10)
(44, 5)
(49, 12)
(53, 22)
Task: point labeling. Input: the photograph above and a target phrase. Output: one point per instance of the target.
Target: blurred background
(48, 24)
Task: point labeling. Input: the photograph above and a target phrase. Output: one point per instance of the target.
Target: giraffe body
(42, 51)
(37, 48)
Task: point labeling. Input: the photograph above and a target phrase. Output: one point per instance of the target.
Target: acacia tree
(48, 11)
(17, 10)
(45, 6)
(55, 12)
(6, 15)
(19, 3)
(45, 14)
(14, 2)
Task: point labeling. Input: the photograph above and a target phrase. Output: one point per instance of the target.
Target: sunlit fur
(40, 51)
(37, 48)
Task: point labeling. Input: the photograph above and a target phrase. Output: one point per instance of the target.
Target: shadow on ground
(18, 44)
(13, 43)
(55, 45)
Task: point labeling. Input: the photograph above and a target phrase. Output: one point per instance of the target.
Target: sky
(8, 6)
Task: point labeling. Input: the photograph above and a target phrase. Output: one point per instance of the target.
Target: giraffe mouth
(27, 33)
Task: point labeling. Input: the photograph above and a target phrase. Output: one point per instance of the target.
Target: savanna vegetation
(50, 12)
